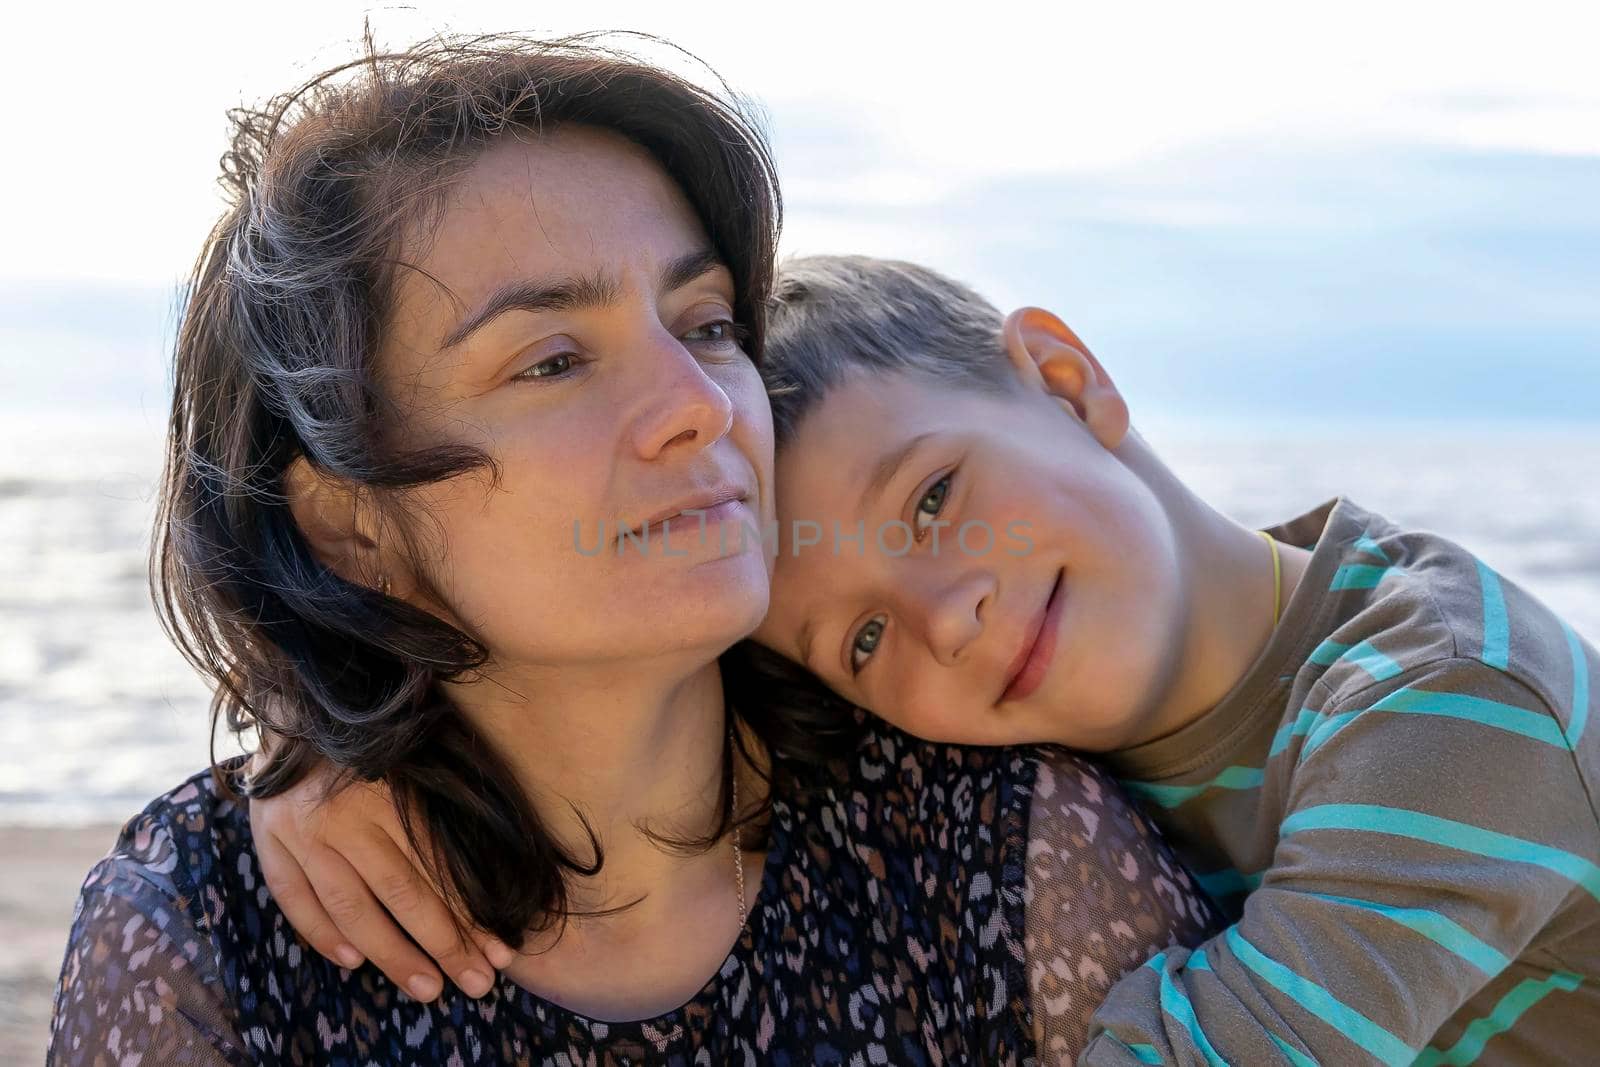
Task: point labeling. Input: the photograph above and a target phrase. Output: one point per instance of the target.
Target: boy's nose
(954, 613)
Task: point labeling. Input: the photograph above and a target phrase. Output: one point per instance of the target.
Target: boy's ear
(1049, 356)
(334, 523)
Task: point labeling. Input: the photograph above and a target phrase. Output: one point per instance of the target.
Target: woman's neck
(619, 750)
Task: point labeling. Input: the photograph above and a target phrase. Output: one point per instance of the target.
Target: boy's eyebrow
(573, 294)
(686, 268)
(884, 470)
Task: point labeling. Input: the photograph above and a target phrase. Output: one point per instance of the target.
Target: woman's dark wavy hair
(283, 314)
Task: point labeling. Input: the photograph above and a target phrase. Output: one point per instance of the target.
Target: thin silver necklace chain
(738, 853)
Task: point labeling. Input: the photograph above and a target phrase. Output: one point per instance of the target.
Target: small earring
(383, 584)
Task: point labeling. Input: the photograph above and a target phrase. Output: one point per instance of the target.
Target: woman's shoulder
(184, 841)
(952, 792)
(937, 830)
(969, 830)
(973, 808)
(917, 857)
(145, 970)
(175, 867)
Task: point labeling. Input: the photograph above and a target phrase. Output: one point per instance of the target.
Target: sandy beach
(43, 869)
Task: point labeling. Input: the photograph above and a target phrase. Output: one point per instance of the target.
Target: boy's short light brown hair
(831, 315)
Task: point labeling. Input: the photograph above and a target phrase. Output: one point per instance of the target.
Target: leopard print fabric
(1103, 894)
(938, 904)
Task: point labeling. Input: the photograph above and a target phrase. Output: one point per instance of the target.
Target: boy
(1372, 745)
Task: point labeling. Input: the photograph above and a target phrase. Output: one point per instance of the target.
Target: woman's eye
(552, 367)
(932, 502)
(866, 642)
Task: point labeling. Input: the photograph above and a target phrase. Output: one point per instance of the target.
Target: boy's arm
(1436, 822)
(347, 879)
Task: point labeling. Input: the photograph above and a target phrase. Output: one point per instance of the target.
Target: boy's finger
(364, 924)
(300, 906)
(497, 952)
(415, 905)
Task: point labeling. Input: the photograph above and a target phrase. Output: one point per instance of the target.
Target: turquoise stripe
(1227, 882)
(1325, 730)
(1496, 629)
(1504, 1016)
(1301, 726)
(1506, 717)
(1378, 819)
(1362, 655)
(1369, 659)
(1295, 1056)
(1358, 576)
(1445, 705)
(1328, 653)
(1437, 928)
(1170, 796)
(1199, 962)
(1580, 688)
(1175, 1002)
(1370, 547)
(1321, 1003)
(1142, 1053)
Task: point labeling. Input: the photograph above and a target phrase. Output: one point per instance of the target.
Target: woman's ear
(1047, 355)
(334, 522)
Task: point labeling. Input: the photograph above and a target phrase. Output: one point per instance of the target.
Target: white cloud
(117, 114)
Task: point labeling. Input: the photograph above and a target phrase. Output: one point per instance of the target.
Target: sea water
(98, 713)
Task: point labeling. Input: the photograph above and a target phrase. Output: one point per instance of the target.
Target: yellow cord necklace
(1277, 577)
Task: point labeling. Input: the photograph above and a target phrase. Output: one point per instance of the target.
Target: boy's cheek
(911, 714)
(936, 717)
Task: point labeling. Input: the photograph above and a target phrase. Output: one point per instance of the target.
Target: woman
(473, 312)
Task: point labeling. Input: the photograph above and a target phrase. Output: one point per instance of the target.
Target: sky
(1249, 211)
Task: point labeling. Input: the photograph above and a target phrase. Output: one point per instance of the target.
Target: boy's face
(1049, 609)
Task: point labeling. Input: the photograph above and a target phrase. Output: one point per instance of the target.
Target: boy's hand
(330, 864)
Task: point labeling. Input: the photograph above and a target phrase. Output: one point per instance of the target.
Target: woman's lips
(687, 523)
(687, 530)
(1036, 661)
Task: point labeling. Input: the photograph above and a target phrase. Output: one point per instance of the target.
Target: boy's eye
(865, 643)
(720, 332)
(932, 502)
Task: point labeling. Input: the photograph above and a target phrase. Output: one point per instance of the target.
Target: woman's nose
(954, 611)
(685, 404)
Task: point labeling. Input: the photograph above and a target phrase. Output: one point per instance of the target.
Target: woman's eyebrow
(573, 294)
(567, 294)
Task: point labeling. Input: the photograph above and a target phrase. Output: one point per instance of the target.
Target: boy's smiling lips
(1028, 668)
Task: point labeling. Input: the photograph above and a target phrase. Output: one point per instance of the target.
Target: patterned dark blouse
(940, 905)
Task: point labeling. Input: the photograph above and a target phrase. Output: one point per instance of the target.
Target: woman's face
(578, 326)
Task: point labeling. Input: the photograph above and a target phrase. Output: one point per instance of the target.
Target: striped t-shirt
(1395, 806)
